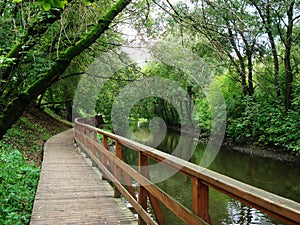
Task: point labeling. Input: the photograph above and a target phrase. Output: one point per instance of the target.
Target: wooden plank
(70, 191)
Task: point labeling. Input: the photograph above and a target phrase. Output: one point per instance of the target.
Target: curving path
(71, 191)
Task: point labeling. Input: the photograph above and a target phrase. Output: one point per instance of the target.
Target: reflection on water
(277, 177)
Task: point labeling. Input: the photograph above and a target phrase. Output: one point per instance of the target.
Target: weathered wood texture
(71, 191)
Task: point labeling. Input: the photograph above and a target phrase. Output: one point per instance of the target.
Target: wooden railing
(115, 169)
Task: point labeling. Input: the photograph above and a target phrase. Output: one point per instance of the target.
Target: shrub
(266, 125)
(18, 182)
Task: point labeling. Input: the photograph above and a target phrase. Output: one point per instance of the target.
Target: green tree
(242, 33)
(29, 90)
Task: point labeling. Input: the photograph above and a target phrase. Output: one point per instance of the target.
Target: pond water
(277, 177)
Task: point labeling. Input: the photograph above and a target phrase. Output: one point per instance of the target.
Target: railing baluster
(95, 137)
(94, 149)
(142, 192)
(103, 157)
(200, 201)
(105, 141)
(87, 135)
(117, 170)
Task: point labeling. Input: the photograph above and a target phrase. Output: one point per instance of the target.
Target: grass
(20, 161)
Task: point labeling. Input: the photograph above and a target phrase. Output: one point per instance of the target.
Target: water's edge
(278, 155)
(281, 155)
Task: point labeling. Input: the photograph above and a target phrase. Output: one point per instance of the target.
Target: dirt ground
(31, 132)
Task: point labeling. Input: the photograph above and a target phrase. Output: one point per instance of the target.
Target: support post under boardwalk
(200, 202)
(142, 195)
(117, 170)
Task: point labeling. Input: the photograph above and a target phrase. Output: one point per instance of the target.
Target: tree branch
(28, 40)
(21, 101)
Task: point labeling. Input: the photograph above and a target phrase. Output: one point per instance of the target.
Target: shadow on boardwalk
(70, 190)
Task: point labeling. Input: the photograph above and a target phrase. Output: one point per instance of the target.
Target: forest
(229, 67)
(251, 47)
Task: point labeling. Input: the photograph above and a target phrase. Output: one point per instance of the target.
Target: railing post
(94, 149)
(81, 134)
(117, 170)
(200, 201)
(142, 192)
(87, 135)
(95, 139)
(103, 157)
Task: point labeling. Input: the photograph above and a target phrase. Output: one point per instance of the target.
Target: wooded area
(251, 46)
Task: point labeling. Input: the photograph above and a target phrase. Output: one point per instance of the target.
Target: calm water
(277, 177)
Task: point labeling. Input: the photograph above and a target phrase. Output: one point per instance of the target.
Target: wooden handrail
(114, 168)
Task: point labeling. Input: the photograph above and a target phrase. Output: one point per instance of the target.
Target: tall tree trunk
(249, 48)
(15, 109)
(241, 68)
(268, 26)
(287, 58)
(267, 22)
(250, 75)
(69, 108)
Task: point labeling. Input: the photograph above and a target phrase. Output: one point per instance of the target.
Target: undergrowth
(20, 161)
(266, 126)
(18, 182)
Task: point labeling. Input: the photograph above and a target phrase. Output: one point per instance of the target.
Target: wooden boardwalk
(70, 190)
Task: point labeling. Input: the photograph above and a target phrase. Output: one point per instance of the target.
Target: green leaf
(58, 3)
(46, 6)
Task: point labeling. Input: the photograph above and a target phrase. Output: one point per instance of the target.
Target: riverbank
(279, 154)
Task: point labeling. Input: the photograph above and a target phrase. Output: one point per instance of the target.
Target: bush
(266, 125)
(18, 183)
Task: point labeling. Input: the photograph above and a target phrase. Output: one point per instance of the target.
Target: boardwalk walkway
(70, 191)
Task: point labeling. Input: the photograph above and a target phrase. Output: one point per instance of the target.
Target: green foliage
(232, 94)
(150, 106)
(203, 27)
(20, 158)
(112, 87)
(203, 110)
(25, 132)
(17, 187)
(266, 125)
(48, 4)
